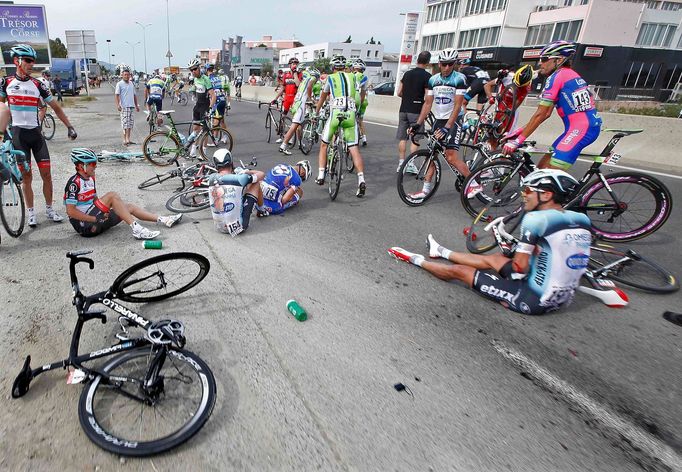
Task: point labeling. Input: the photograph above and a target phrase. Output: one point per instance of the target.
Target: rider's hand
(273, 102)
(491, 100)
(442, 132)
(72, 133)
(101, 218)
(229, 106)
(414, 127)
(514, 140)
(119, 108)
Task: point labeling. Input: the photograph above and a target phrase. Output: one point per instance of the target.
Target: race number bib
(581, 100)
(340, 103)
(269, 191)
(234, 228)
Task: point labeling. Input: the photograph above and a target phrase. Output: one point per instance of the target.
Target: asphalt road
(320, 394)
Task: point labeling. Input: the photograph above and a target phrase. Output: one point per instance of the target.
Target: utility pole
(144, 39)
(169, 54)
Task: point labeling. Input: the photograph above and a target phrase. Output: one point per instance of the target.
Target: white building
(371, 54)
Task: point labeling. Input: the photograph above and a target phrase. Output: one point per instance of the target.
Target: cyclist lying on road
(544, 271)
(90, 215)
(233, 193)
(282, 187)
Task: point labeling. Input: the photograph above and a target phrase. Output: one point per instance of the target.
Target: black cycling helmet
(523, 76)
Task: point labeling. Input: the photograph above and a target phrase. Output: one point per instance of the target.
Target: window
(354, 53)
(479, 38)
(655, 35)
(542, 34)
(305, 55)
(641, 75)
(671, 6)
(476, 7)
(368, 52)
(442, 11)
(376, 53)
(386, 74)
(672, 77)
(337, 52)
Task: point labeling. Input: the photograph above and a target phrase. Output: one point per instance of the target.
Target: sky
(196, 24)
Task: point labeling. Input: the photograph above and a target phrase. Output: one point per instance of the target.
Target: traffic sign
(169, 54)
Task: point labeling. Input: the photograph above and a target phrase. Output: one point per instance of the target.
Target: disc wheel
(160, 277)
(161, 148)
(12, 207)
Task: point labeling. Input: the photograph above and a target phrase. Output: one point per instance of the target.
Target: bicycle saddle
(626, 132)
(166, 112)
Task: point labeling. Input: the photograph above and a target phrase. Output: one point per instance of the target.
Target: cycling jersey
(444, 90)
(288, 79)
(217, 85)
(568, 92)
(299, 106)
(230, 207)
(202, 84)
(155, 88)
(341, 88)
(559, 245)
(274, 186)
(509, 99)
(24, 97)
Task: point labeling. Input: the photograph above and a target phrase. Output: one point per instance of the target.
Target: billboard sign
(81, 44)
(24, 24)
(593, 51)
(408, 44)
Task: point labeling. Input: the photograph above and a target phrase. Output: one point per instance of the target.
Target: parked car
(387, 88)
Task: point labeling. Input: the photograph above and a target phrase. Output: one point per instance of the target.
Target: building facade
(627, 48)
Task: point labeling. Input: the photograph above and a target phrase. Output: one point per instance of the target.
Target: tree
(348, 40)
(57, 48)
(266, 68)
(322, 64)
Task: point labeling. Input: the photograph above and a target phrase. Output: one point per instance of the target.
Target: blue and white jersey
(444, 90)
(559, 245)
(217, 83)
(278, 180)
(226, 198)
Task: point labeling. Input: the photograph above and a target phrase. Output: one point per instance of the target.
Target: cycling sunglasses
(447, 64)
(544, 59)
(28, 59)
(530, 190)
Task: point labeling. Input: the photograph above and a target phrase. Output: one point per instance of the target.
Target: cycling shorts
(87, 229)
(158, 101)
(31, 141)
(349, 125)
(287, 102)
(298, 112)
(512, 294)
(363, 108)
(199, 111)
(220, 107)
(581, 131)
(451, 141)
(476, 89)
(275, 207)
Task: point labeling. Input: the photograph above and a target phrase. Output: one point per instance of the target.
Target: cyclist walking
(300, 106)
(206, 100)
(566, 91)
(23, 93)
(361, 98)
(221, 89)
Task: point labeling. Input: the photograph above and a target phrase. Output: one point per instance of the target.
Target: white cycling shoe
(54, 216)
(171, 220)
(140, 232)
(474, 189)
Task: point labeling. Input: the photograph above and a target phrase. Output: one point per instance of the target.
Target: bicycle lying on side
(152, 395)
(622, 206)
(124, 156)
(185, 173)
(12, 205)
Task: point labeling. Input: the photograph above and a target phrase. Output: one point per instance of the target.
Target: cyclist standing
(221, 103)
(544, 271)
(445, 96)
(206, 99)
(567, 91)
(291, 80)
(282, 187)
(23, 93)
(361, 100)
(340, 88)
(300, 106)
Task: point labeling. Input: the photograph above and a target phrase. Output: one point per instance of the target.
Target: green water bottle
(296, 310)
(152, 244)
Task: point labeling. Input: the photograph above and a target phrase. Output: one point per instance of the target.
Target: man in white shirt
(126, 102)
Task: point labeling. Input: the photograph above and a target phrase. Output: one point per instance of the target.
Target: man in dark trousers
(412, 90)
(57, 82)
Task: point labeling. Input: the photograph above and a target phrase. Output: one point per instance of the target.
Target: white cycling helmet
(306, 166)
(193, 63)
(338, 61)
(222, 158)
(359, 64)
(561, 183)
(448, 55)
(313, 72)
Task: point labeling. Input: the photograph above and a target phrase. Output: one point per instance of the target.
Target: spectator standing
(126, 102)
(57, 82)
(412, 90)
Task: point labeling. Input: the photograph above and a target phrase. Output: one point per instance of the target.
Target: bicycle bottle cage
(167, 332)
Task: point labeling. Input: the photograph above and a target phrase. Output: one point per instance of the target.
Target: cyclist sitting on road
(206, 99)
(90, 215)
(543, 272)
(221, 88)
(291, 80)
(233, 195)
(300, 107)
(340, 88)
(361, 97)
(476, 78)
(568, 92)
(282, 187)
(445, 95)
(153, 95)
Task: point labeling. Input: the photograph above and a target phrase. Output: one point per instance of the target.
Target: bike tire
(409, 183)
(268, 125)
(137, 280)
(285, 124)
(48, 126)
(212, 140)
(634, 185)
(501, 187)
(188, 201)
(183, 99)
(184, 371)
(12, 207)
(161, 148)
(157, 179)
(307, 138)
(347, 159)
(638, 272)
(334, 172)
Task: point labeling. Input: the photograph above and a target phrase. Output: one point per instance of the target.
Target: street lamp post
(144, 38)
(168, 54)
(133, 46)
(109, 49)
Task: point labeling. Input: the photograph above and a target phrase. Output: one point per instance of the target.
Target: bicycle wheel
(151, 118)
(161, 148)
(478, 240)
(119, 417)
(157, 179)
(183, 98)
(188, 201)
(48, 126)
(631, 268)
(307, 138)
(285, 124)
(268, 125)
(334, 173)
(500, 183)
(644, 205)
(160, 277)
(414, 172)
(12, 207)
(217, 138)
(347, 158)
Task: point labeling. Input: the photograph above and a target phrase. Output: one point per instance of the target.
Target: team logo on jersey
(577, 261)
(281, 170)
(228, 207)
(73, 188)
(443, 100)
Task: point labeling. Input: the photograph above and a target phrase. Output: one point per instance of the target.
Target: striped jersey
(24, 97)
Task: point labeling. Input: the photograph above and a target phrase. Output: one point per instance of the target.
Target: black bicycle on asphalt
(152, 395)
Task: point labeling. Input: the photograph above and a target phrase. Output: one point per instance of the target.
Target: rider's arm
(75, 214)
(59, 111)
(212, 95)
(426, 107)
(238, 179)
(488, 87)
(5, 117)
(320, 102)
(531, 225)
(541, 114)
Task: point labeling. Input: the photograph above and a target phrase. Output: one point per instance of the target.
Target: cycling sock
(192, 137)
(134, 225)
(48, 208)
(417, 260)
(31, 211)
(320, 173)
(427, 187)
(400, 162)
(361, 177)
(444, 253)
